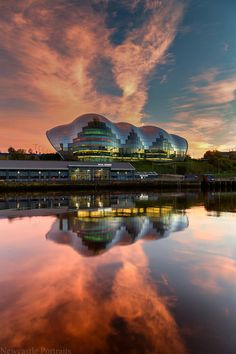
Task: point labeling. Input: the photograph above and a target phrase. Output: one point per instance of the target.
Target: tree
(212, 156)
(14, 154)
(187, 157)
(11, 150)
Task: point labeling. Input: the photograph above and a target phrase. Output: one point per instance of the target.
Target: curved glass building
(94, 137)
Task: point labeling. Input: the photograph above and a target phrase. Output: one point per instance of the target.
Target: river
(118, 273)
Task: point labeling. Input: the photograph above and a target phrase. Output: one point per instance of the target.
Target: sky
(170, 63)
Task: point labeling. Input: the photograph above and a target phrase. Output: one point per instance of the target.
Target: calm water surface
(118, 273)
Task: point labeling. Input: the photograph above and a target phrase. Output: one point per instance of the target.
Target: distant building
(4, 155)
(228, 154)
(94, 137)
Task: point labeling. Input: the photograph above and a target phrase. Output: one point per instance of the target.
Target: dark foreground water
(118, 273)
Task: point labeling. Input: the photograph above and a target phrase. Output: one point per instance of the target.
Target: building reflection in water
(92, 224)
(94, 231)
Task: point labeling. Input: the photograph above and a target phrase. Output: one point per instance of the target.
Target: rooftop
(28, 165)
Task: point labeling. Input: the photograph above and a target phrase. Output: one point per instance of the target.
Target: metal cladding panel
(93, 135)
(71, 138)
(126, 129)
(82, 121)
(60, 135)
(179, 141)
(151, 133)
(181, 146)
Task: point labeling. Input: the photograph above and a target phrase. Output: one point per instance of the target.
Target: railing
(227, 184)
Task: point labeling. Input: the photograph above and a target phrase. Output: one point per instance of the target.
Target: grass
(197, 167)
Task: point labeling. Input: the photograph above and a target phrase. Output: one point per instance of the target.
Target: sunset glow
(170, 64)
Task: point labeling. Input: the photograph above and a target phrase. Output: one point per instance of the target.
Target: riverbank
(100, 185)
(157, 184)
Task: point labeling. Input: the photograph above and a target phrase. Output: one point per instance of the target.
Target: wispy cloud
(206, 76)
(53, 54)
(226, 46)
(216, 92)
(204, 113)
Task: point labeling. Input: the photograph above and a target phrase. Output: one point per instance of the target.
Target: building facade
(94, 137)
(16, 170)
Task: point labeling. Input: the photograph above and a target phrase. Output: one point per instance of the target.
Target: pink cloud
(207, 76)
(56, 47)
(201, 118)
(68, 290)
(218, 92)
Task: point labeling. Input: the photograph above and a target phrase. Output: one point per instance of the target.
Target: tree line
(22, 154)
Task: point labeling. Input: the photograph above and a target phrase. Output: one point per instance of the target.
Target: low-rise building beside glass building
(94, 137)
(16, 170)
